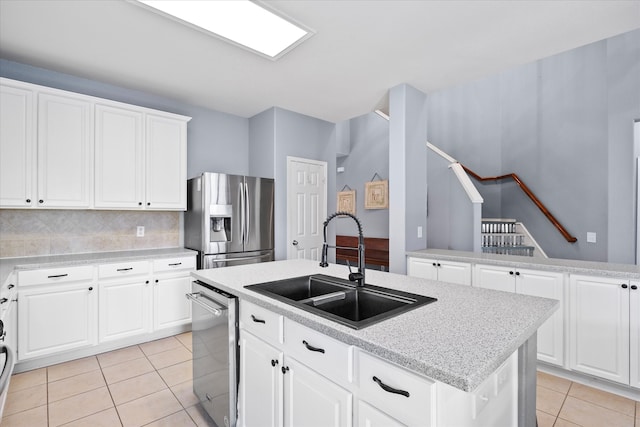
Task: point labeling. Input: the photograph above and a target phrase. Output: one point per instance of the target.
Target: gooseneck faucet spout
(354, 277)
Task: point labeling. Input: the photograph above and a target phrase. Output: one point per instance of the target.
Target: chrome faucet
(354, 277)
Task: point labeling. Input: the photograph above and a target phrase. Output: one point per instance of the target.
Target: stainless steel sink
(340, 300)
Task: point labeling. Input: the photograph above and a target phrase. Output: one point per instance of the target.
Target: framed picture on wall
(347, 201)
(376, 195)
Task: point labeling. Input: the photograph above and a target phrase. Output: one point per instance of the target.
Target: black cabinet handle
(624, 286)
(11, 286)
(125, 269)
(40, 201)
(312, 348)
(390, 389)
(148, 203)
(56, 276)
(634, 287)
(3, 300)
(439, 265)
(274, 362)
(28, 200)
(517, 273)
(139, 203)
(284, 369)
(175, 264)
(156, 280)
(255, 319)
(91, 288)
(435, 265)
(511, 273)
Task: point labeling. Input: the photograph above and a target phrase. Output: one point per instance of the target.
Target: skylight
(240, 21)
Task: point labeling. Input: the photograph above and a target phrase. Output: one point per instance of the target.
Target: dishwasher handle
(195, 297)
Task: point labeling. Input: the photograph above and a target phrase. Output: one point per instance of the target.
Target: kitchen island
(460, 340)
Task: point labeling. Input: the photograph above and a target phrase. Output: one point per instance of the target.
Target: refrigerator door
(223, 223)
(259, 208)
(228, 260)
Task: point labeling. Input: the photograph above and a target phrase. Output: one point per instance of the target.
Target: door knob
(295, 243)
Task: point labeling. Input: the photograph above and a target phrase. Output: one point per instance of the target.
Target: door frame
(290, 161)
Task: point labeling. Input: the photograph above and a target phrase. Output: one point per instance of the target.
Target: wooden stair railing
(528, 192)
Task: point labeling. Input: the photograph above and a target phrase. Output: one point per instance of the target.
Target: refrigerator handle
(242, 211)
(247, 214)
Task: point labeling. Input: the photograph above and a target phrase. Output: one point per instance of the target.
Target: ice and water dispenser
(220, 223)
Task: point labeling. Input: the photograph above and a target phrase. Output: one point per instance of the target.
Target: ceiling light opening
(245, 23)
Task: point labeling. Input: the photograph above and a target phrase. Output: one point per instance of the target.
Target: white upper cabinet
(66, 150)
(119, 158)
(17, 150)
(166, 171)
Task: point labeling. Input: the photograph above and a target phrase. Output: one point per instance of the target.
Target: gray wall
(369, 154)
(211, 133)
(262, 160)
(407, 172)
(564, 124)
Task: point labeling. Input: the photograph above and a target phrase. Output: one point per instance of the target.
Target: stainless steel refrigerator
(229, 219)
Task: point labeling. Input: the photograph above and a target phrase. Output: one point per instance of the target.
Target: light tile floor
(143, 385)
(151, 385)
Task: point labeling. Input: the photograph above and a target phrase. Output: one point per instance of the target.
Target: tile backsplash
(56, 232)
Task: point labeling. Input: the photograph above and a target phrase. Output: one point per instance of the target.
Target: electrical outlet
(140, 231)
(591, 237)
(419, 232)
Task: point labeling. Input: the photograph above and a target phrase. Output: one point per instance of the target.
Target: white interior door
(306, 207)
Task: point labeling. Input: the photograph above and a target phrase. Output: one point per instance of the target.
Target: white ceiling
(359, 50)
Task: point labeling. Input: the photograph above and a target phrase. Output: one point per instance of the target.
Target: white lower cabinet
(444, 271)
(52, 320)
(599, 326)
(125, 300)
(368, 416)
(261, 382)
(171, 282)
(634, 334)
(543, 284)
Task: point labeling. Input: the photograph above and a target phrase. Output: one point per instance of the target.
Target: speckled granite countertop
(459, 340)
(8, 265)
(626, 271)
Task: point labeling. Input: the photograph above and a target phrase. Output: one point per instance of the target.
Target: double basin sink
(341, 300)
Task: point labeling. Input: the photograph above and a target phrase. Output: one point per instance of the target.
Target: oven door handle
(195, 297)
(8, 367)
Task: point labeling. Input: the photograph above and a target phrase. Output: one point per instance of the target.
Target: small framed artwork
(376, 194)
(347, 201)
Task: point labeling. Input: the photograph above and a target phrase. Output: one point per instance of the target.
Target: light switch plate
(140, 231)
(591, 237)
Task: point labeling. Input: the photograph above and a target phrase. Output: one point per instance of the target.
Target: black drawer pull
(125, 269)
(634, 287)
(390, 389)
(284, 369)
(274, 362)
(3, 300)
(255, 319)
(175, 264)
(56, 276)
(312, 348)
(624, 286)
(11, 286)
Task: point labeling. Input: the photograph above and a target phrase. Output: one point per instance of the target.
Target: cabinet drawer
(55, 275)
(323, 354)
(403, 395)
(123, 269)
(262, 322)
(173, 264)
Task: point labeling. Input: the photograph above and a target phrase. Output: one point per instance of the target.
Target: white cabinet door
(55, 319)
(599, 327)
(166, 154)
(171, 307)
(634, 334)
(368, 416)
(65, 172)
(492, 277)
(424, 268)
(17, 147)
(454, 272)
(260, 391)
(119, 158)
(311, 400)
(551, 333)
(124, 308)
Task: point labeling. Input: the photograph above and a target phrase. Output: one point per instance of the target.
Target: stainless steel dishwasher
(215, 351)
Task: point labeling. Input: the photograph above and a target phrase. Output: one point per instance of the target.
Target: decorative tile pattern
(25, 232)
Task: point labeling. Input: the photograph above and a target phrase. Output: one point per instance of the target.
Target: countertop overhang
(593, 268)
(458, 340)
